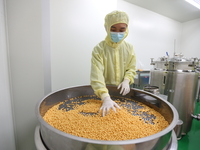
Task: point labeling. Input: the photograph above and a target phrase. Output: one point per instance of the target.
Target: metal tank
(177, 78)
(55, 139)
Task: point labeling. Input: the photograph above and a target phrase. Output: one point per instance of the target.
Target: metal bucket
(55, 139)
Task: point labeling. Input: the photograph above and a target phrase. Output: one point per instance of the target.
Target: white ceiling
(179, 10)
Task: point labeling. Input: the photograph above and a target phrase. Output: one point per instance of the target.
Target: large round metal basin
(55, 139)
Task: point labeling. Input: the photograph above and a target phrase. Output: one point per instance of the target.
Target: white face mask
(117, 36)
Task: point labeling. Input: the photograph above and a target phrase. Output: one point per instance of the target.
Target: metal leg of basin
(173, 144)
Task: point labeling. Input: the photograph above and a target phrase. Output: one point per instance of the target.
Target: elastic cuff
(104, 95)
(127, 79)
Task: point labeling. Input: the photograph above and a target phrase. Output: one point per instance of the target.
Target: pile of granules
(86, 121)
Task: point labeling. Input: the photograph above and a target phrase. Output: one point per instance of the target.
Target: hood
(114, 18)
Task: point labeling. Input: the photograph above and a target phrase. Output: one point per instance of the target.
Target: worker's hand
(125, 87)
(107, 104)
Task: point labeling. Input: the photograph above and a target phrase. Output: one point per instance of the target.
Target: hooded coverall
(112, 62)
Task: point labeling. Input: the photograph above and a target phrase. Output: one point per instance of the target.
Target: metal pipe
(196, 116)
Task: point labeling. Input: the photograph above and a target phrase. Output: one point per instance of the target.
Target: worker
(113, 61)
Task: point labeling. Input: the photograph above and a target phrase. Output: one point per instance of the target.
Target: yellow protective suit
(111, 62)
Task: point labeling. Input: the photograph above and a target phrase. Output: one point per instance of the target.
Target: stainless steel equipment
(40, 145)
(152, 89)
(198, 89)
(177, 78)
(141, 79)
(55, 139)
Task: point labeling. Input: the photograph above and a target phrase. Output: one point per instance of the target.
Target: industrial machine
(141, 79)
(178, 78)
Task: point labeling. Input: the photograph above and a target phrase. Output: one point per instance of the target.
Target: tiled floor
(191, 141)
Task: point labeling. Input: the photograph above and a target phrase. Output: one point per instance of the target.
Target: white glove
(125, 87)
(107, 104)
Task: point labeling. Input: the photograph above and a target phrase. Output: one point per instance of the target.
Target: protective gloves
(125, 88)
(107, 104)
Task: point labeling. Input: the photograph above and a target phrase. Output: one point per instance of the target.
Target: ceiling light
(195, 3)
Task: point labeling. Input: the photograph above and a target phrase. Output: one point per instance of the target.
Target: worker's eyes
(123, 30)
(113, 29)
(117, 31)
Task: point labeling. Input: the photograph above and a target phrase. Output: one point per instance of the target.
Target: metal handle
(152, 63)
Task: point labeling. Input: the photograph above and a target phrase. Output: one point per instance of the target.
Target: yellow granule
(86, 121)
